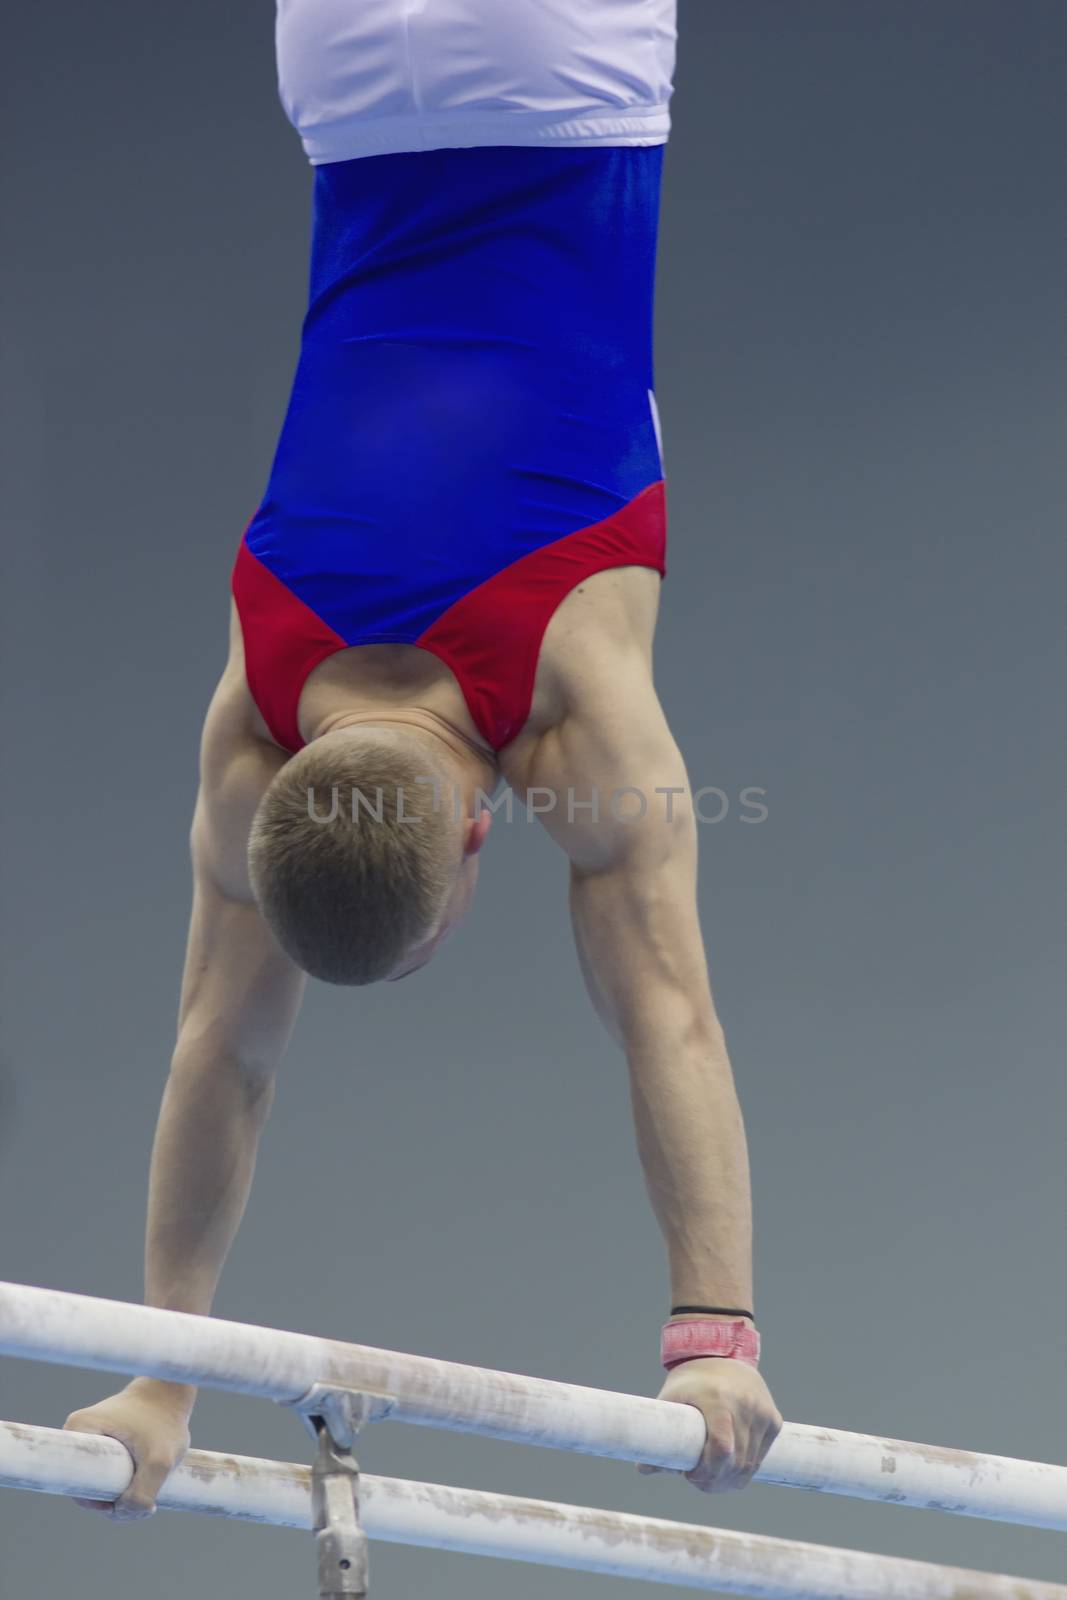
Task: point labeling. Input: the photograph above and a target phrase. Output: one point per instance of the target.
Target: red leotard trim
(491, 637)
(283, 638)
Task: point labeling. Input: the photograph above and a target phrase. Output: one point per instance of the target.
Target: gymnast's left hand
(741, 1418)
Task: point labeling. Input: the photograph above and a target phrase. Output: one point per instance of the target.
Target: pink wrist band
(687, 1341)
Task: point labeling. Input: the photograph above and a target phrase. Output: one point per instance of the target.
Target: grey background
(861, 347)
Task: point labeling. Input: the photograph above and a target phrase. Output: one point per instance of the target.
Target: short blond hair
(353, 854)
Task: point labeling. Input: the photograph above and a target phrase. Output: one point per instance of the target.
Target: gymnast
(448, 591)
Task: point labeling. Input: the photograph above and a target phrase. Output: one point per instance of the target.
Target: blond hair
(353, 854)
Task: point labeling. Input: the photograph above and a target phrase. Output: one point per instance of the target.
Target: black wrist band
(720, 1311)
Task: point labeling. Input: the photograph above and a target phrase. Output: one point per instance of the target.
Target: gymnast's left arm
(633, 902)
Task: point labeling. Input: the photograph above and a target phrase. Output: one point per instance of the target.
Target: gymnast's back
(371, 77)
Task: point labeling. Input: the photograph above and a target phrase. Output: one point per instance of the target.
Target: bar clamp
(333, 1415)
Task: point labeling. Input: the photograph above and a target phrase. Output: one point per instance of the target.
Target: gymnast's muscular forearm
(692, 1146)
(642, 956)
(203, 1161)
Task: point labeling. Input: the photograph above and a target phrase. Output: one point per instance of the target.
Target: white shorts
(370, 77)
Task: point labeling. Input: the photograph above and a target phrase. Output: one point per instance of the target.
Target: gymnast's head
(358, 859)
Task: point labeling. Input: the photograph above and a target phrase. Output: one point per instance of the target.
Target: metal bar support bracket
(333, 1415)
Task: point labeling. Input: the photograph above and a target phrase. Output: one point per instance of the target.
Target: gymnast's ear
(476, 830)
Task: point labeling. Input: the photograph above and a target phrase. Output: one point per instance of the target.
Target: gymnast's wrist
(180, 1396)
(693, 1335)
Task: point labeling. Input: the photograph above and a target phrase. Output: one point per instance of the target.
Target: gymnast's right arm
(239, 1000)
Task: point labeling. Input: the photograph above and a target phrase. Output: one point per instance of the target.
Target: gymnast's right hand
(152, 1420)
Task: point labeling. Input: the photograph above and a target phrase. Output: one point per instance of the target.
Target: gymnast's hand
(152, 1420)
(742, 1420)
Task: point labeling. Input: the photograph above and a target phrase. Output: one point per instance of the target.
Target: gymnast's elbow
(224, 1072)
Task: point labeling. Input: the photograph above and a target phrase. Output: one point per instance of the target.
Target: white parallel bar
(478, 1523)
(115, 1336)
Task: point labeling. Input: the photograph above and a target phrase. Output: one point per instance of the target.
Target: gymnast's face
(459, 901)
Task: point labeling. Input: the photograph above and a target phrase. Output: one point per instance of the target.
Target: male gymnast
(452, 580)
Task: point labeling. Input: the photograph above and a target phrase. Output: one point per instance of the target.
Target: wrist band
(688, 1341)
(722, 1311)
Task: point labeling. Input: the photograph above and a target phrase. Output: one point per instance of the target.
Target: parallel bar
(478, 1523)
(115, 1336)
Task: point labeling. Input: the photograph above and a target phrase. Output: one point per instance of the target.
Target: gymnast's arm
(239, 1000)
(634, 911)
